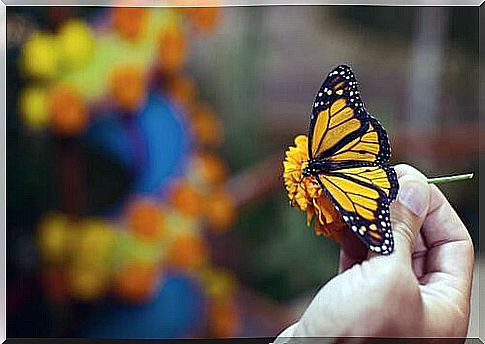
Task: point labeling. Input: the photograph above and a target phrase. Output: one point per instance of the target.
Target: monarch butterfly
(349, 154)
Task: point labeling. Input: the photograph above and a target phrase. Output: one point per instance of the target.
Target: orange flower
(306, 193)
(224, 318)
(136, 282)
(220, 210)
(172, 49)
(209, 168)
(185, 198)
(69, 114)
(206, 127)
(129, 22)
(204, 18)
(53, 280)
(187, 251)
(128, 87)
(183, 90)
(145, 219)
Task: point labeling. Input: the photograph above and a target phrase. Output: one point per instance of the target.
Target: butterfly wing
(340, 127)
(362, 196)
(360, 184)
(336, 115)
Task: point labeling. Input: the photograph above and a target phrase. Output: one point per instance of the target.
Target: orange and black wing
(340, 127)
(362, 196)
(360, 183)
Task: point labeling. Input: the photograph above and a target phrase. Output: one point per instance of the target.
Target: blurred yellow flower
(218, 282)
(86, 282)
(33, 107)
(94, 242)
(76, 43)
(54, 237)
(40, 57)
(307, 194)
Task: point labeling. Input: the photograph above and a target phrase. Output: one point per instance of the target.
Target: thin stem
(449, 179)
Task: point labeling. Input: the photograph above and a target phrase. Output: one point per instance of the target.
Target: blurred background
(145, 148)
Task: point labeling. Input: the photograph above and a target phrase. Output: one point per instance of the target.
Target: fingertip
(408, 212)
(405, 169)
(414, 194)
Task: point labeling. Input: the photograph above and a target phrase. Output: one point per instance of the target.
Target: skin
(421, 290)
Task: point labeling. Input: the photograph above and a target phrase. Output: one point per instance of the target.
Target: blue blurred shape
(175, 312)
(153, 143)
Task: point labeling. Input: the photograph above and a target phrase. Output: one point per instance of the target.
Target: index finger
(450, 248)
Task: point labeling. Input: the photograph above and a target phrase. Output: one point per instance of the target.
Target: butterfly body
(349, 154)
(315, 167)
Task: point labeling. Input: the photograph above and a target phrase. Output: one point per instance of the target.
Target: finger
(419, 256)
(404, 169)
(285, 335)
(353, 251)
(408, 213)
(450, 244)
(401, 171)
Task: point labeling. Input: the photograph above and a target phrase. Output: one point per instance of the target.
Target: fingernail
(413, 195)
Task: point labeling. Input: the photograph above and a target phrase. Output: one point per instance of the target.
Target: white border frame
(180, 3)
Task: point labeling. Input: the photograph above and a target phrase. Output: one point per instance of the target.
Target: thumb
(408, 213)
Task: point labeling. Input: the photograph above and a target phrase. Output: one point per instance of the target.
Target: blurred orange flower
(68, 111)
(210, 168)
(172, 49)
(128, 87)
(136, 282)
(204, 19)
(220, 210)
(53, 280)
(187, 251)
(145, 219)
(306, 193)
(224, 318)
(185, 198)
(130, 22)
(206, 127)
(183, 90)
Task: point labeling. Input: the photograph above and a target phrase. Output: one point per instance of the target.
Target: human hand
(421, 290)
